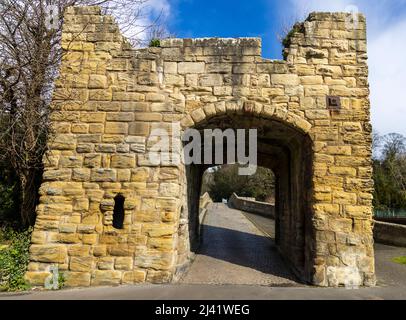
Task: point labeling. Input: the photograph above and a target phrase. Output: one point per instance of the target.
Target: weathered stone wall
(205, 200)
(390, 233)
(109, 99)
(262, 208)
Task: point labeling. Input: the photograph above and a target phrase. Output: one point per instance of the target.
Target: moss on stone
(297, 27)
(155, 43)
(400, 260)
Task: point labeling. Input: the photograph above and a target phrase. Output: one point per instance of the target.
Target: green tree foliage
(390, 172)
(224, 180)
(14, 258)
(9, 196)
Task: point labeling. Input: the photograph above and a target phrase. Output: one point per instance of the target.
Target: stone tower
(107, 215)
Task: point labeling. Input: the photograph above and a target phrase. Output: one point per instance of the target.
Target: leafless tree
(394, 150)
(29, 58)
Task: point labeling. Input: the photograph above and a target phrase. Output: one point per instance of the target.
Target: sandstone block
(155, 97)
(339, 150)
(169, 189)
(106, 263)
(100, 94)
(80, 128)
(92, 160)
(190, 67)
(80, 174)
(174, 79)
(97, 81)
(123, 263)
(311, 80)
(123, 161)
(155, 259)
(140, 174)
(103, 175)
(210, 80)
(316, 90)
(48, 253)
(159, 229)
(244, 68)
(158, 276)
(123, 250)
(89, 238)
(198, 115)
(170, 67)
(116, 128)
(139, 129)
(57, 175)
(128, 96)
(136, 276)
(38, 237)
(218, 68)
(341, 197)
(164, 243)
(37, 278)
(67, 228)
(82, 264)
(285, 79)
(78, 250)
(106, 278)
(76, 279)
(100, 250)
(63, 142)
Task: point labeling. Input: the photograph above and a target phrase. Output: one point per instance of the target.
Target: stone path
(235, 251)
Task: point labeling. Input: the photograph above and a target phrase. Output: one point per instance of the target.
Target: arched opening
(118, 212)
(285, 150)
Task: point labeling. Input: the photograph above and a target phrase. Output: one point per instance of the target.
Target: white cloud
(386, 51)
(387, 76)
(137, 17)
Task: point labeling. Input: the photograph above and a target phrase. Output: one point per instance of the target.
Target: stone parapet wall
(390, 233)
(204, 202)
(244, 204)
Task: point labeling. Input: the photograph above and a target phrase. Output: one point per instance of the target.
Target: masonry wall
(109, 99)
(262, 208)
(390, 233)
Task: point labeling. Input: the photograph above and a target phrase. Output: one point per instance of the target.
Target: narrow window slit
(118, 213)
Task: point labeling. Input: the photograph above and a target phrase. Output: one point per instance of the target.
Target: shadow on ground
(244, 249)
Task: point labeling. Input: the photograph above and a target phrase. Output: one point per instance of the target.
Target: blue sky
(228, 18)
(266, 19)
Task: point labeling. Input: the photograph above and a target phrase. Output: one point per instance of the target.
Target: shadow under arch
(282, 146)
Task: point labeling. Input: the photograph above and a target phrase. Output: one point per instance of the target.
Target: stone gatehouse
(107, 215)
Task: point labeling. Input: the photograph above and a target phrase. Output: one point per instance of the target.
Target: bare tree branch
(30, 54)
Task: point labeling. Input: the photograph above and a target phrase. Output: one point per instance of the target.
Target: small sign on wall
(333, 103)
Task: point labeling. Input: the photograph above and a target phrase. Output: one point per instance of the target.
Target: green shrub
(287, 40)
(297, 28)
(155, 43)
(8, 203)
(61, 280)
(400, 260)
(14, 259)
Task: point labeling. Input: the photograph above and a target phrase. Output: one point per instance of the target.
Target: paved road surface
(264, 276)
(235, 251)
(389, 274)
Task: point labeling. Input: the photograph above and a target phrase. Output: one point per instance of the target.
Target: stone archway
(110, 98)
(287, 150)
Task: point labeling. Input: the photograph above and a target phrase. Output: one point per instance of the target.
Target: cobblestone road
(235, 251)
